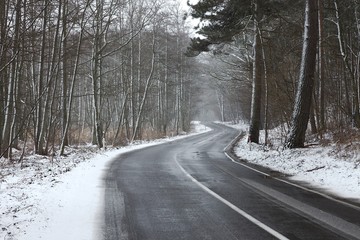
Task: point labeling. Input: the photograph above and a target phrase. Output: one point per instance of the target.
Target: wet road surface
(189, 189)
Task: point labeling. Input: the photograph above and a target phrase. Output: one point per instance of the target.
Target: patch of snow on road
(59, 199)
(329, 167)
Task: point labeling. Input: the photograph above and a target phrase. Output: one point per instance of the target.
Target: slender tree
(255, 117)
(3, 59)
(321, 67)
(69, 103)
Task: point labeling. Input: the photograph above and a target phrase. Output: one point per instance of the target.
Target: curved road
(189, 189)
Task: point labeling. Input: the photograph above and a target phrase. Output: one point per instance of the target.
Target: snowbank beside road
(61, 199)
(331, 168)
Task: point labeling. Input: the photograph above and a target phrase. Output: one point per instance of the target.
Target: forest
(112, 72)
(84, 71)
(283, 64)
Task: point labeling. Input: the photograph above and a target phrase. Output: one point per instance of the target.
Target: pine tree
(301, 112)
(224, 20)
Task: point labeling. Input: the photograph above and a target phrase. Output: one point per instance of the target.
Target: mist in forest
(207, 106)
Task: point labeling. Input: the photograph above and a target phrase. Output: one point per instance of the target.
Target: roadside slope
(331, 168)
(59, 199)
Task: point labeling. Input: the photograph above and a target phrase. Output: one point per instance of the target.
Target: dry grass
(347, 136)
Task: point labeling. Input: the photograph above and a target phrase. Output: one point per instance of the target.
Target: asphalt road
(189, 189)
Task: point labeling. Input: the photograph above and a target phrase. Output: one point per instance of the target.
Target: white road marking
(322, 216)
(232, 206)
(244, 165)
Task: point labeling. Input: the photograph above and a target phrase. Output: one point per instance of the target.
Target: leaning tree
(301, 112)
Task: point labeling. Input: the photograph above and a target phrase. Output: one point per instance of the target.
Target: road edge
(268, 172)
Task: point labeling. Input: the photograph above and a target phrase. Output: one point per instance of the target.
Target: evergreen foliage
(221, 20)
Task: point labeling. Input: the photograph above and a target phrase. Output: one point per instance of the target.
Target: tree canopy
(220, 21)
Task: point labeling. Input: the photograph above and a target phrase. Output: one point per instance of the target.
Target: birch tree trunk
(39, 131)
(255, 117)
(69, 103)
(10, 108)
(266, 88)
(166, 79)
(96, 74)
(146, 91)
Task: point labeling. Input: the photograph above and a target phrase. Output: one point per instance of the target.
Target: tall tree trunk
(255, 117)
(178, 87)
(64, 140)
(10, 108)
(166, 79)
(96, 75)
(302, 108)
(65, 113)
(132, 78)
(266, 88)
(39, 131)
(357, 18)
(3, 79)
(146, 91)
(321, 58)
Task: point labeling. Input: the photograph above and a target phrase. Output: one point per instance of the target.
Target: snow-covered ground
(332, 167)
(59, 199)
